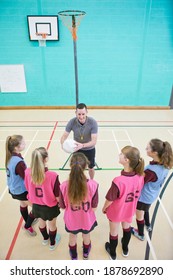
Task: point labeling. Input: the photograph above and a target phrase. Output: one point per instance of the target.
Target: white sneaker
(149, 228)
(136, 234)
(45, 242)
(57, 241)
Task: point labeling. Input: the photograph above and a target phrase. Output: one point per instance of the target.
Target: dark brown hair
(77, 186)
(164, 152)
(11, 143)
(135, 161)
(81, 106)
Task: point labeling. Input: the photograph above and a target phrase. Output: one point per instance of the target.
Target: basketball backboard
(39, 25)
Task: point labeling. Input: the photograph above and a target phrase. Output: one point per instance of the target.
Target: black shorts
(82, 230)
(22, 196)
(90, 154)
(143, 206)
(44, 212)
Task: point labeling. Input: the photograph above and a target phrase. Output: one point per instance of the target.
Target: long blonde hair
(11, 143)
(37, 165)
(136, 163)
(77, 185)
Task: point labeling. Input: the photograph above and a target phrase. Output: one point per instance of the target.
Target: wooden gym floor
(117, 128)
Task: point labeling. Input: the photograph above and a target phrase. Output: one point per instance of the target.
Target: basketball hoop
(42, 39)
(72, 19)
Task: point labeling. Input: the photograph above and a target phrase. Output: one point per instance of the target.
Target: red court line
(14, 239)
(21, 219)
(55, 126)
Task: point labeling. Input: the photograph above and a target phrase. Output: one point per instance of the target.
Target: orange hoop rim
(44, 35)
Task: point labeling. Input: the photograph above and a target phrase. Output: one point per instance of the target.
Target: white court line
(124, 140)
(109, 140)
(170, 132)
(129, 138)
(166, 214)
(31, 143)
(115, 140)
(2, 195)
(147, 235)
(111, 128)
(151, 246)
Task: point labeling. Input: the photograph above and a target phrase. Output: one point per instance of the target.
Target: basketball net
(42, 39)
(72, 20)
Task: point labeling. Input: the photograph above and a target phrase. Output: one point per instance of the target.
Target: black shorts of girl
(22, 196)
(143, 206)
(82, 230)
(44, 212)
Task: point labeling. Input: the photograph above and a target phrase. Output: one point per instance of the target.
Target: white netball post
(69, 146)
(72, 19)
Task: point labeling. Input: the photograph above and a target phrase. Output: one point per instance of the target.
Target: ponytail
(164, 151)
(139, 169)
(77, 185)
(37, 165)
(167, 155)
(136, 163)
(11, 143)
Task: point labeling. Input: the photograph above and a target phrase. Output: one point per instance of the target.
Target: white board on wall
(12, 78)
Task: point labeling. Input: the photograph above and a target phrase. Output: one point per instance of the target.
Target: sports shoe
(136, 234)
(149, 228)
(57, 241)
(86, 252)
(30, 231)
(45, 242)
(125, 253)
(107, 247)
(71, 255)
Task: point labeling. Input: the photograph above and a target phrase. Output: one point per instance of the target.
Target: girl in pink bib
(122, 197)
(79, 198)
(43, 191)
